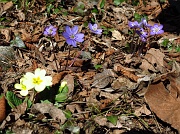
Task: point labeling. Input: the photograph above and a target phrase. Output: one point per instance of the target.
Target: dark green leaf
(12, 99)
(94, 10)
(102, 3)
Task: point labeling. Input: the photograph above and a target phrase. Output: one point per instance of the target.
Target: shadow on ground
(170, 17)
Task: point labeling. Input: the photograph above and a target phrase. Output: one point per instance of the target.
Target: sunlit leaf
(113, 119)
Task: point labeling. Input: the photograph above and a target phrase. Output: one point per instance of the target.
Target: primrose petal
(24, 92)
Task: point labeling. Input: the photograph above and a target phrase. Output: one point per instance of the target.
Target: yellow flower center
(23, 87)
(72, 36)
(50, 31)
(94, 28)
(37, 81)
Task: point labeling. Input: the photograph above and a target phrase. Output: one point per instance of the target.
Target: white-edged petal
(24, 92)
(40, 87)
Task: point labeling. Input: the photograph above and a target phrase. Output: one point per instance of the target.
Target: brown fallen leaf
(54, 112)
(6, 6)
(70, 82)
(165, 103)
(153, 60)
(103, 79)
(126, 72)
(75, 63)
(58, 76)
(3, 108)
(6, 33)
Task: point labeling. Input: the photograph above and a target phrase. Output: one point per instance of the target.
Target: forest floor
(116, 82)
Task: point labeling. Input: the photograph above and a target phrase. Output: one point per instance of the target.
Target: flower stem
(77, 55)
(55, 58)
(68, 57)
(133, 48)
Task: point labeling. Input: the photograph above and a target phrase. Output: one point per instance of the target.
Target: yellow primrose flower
(22, 87)
(38, 80)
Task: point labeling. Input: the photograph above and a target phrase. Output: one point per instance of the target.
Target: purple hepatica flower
(156, 29)
(94, 29)
(50, 31)
(134, 24)
(144, 22)
(72, 36)
(142, 34)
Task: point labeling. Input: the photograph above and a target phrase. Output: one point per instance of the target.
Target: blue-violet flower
(94, 29)
(134, 24)
(72, 36)
(143, 34)
(50, 31)
(144, 22)
(156, 29)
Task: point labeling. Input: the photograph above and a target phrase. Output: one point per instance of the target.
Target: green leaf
(177, 48)
(85, 24)
(97, 66)
(137, 17)
(165, 42)
(118, 2)
(65, 89)
(49, 7)
(12, 99)
(61, 97)
(102, 3)
(94, 10)
(68, 114)
(29, 103)
(113, 119)
(45, 101)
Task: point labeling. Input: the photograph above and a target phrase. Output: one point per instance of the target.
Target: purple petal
(79, 37)
(160, 31)
(74, 43)
(95, 26)
(90, 26)
(50, 27)
(46, 33)
(75, 29)
(99, 31)
(69, 41)
(152, 33)
(53, 33)
(160, 26)
(54, 29)
(66, 35)
(68, 30)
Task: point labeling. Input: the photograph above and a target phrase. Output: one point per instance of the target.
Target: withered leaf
(54, 112)
(103, 79)
(165, 103)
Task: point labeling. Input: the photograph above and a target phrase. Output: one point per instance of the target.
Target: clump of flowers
(72, 36)
(50, 31)
(156, 29)
(145, 30)
(94, 28)
(36, 80)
